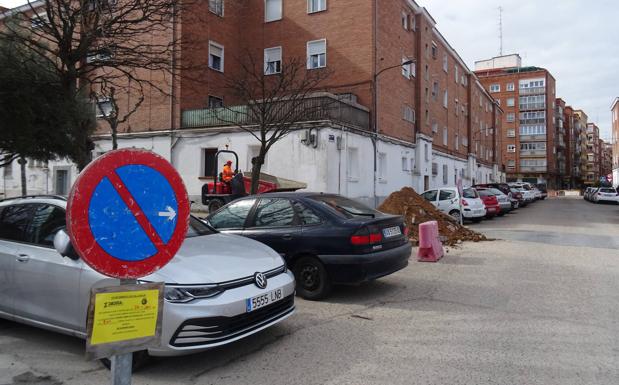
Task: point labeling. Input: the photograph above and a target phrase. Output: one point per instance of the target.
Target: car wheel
(138, 361)
(214, 205)
(455, 214)
(313, 282)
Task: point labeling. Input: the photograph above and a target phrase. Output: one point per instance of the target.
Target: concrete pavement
(530, 309)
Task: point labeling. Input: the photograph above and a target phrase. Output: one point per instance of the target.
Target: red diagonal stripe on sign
(136, 210)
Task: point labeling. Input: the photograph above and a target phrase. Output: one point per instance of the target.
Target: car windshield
(470, 193)
(496, 191)
(345, 207)
(198, 228)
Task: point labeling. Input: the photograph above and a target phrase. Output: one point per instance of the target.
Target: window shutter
(316, 47)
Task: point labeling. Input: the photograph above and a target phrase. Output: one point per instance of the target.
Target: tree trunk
(257, 163)
(22, 166)
(114, 128)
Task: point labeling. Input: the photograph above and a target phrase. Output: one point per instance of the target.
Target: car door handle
(287, 237)
(23, 258)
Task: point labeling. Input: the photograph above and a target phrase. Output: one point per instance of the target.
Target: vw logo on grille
(260, 280)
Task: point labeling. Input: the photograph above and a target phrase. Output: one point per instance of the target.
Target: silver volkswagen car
(211, 286)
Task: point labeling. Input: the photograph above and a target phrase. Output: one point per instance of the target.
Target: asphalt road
(539, 307)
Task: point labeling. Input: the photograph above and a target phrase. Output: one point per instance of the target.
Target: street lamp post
(375, 119)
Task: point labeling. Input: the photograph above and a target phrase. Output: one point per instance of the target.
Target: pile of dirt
(416, 210)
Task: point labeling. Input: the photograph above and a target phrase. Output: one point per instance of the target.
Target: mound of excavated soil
(416, 210)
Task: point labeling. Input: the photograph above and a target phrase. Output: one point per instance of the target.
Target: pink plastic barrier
(430, 246)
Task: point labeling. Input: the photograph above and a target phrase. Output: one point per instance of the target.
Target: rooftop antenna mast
(501, 30)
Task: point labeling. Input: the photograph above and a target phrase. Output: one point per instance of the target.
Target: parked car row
(602, 195)
(235, 274)
(484, 201)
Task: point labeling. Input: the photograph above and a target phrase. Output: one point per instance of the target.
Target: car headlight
(184, 294)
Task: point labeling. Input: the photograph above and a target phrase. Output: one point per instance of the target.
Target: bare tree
(95, 44)
(272, 101)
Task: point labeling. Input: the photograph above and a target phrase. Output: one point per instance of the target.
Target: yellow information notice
(123, 316)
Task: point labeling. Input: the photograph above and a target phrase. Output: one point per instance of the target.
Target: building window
(426, 152)
(216, 56)
(510, 86)
(408, 114)
(317, 54)
(426, 75)
(404, 163)
(406, 68)
(216, 7)
(511, 117)
(215, 102)
(434, 90)
(445, 99)
(316, 6)
(99, 55)
(510, 102)
(445, 63)
(405, 20)
(208, 162)
(413, 22)
(435, 127)
(456, 110)
(272, 10)
(353, 163)
(445, 137)
(272, 60)
(511, 133)
(427, 117)
(445, 174)
(457, 142)
(39, 20)
(434, 50)
(382, 166)
(456, 73)
(511, 163)
(495, 88)
(511, 148)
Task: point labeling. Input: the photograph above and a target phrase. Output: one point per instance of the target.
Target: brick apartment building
(529, 138)
(592, 167)
(606, 162)
(435, 121)
(614, 110)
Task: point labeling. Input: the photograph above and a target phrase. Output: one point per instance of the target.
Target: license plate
(392, 232)
(479, 211)
(263, 300)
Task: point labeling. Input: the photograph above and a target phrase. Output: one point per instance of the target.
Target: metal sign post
(127, 216)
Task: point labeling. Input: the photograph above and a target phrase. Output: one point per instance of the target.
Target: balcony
(535, 153)
(323, 107)
(533, 138)
(532, 168)
(532, 91)
(532, 106)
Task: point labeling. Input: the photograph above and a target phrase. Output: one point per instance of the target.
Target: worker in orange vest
(227, 174)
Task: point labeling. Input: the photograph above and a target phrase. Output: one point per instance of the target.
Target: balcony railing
(532, 152)
(317, 108)
(532, 168)
(532, 91)
(532, 106)
(532, 138)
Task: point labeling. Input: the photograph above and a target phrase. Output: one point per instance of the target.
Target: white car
(606, 194)
(448, 200)
(527, 194)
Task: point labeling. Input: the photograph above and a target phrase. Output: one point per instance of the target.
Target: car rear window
(484, 193)
(344, 207)
(608, 190)
(470, 193)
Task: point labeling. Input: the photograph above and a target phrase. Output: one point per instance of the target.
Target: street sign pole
(121, 364)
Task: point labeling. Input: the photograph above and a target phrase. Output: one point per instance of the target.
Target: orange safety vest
(227, 174)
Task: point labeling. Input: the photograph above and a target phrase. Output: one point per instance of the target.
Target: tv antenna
(501, 31)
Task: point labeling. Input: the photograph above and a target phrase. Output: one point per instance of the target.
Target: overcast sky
(575, 40)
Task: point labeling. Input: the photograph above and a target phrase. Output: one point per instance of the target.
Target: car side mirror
(62, 244)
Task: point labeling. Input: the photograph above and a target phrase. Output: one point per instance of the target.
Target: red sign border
(78, 226)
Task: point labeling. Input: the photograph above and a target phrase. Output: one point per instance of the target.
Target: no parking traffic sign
(128, 213)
